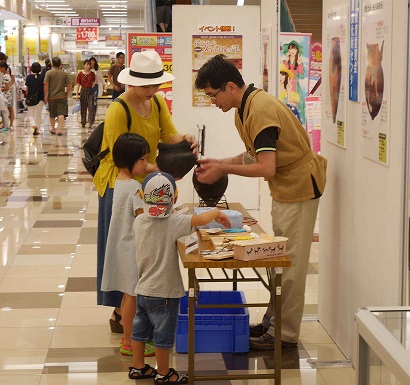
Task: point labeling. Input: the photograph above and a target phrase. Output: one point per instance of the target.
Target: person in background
(164, 14)
(4, 112)
(47, 67)
(6, 92)
(296, 175)
(9, 100)
(144, 77)
(57, 89)
(160, 286)
(85, 81)
(34, 84)
(98, 87)
(117, 87)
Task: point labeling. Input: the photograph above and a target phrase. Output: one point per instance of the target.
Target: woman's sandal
(115, 325)
(140, 374)
(182, 378)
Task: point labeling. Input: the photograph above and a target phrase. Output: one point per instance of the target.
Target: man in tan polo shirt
(278, 149)
(57, 89)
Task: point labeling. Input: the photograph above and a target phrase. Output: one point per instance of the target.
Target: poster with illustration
(267, 84)
(375, 79)
(294, 72)
(315, 72)
(205, 47)
(335, 89)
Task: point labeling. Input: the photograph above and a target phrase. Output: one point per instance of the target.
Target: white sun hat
(145, 69)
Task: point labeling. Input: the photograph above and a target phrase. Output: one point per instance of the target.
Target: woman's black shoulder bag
(92, 146)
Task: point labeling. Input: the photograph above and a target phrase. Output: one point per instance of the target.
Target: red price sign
(87, 34)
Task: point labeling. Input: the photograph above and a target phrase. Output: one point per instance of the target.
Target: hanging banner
(87, 34)
(294, 69)
(11, 45)
(44, 45)
(114, 41)
(81, 44)
(30, 44)
(354, 51)
(315, 72)
(266, 34)
(85, 22)
(160, 42)
(376, 59)
(335, 90)
(204, 47)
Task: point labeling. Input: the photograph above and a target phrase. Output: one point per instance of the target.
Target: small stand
(222, 204)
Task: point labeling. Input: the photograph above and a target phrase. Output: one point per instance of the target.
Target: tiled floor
(51, 330)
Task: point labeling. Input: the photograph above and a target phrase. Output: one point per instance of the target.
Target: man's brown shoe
(267, 342)
(257, 330)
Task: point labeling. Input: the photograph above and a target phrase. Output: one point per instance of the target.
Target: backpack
(92, 146)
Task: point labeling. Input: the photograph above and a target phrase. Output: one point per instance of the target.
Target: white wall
(222, 139)
(269, 16)
(361, 226)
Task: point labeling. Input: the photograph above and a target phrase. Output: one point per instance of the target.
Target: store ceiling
(132, 15)
(114, 13)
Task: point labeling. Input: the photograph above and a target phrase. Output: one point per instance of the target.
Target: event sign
(204, 47)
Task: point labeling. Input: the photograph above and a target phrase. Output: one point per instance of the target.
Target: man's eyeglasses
(213, 97)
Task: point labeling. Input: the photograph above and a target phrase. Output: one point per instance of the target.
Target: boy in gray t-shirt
(160, 286)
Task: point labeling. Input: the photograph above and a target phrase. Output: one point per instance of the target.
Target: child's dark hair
(128, 149)
(87, 61)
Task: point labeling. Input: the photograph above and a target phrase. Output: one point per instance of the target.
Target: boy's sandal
(140, 374)
(182, 378)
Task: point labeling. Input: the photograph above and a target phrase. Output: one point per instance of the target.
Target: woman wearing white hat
(143, 77)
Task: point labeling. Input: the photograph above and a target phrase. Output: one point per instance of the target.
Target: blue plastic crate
(223, 330)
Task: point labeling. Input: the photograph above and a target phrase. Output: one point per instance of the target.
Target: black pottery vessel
(176, 159)
(211, 194)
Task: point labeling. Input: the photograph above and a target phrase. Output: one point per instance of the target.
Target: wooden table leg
(278, 325)
(191, 326)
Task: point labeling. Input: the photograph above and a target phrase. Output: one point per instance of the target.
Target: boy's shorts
(58, 107)
(156, 319)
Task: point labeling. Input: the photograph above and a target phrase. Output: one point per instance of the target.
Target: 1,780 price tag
(87, 34)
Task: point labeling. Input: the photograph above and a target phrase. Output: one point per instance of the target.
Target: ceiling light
(113, 7)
